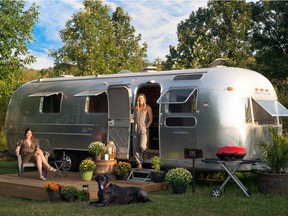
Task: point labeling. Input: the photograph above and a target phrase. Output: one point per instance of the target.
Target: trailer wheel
(216, 192)
(72, 162)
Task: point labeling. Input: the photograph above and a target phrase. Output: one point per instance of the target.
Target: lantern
(111, 150)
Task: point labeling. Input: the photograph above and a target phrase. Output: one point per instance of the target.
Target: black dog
(111, 194)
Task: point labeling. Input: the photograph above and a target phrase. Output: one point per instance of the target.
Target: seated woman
(31, 152)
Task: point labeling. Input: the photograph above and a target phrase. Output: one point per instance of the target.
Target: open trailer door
(119, 109)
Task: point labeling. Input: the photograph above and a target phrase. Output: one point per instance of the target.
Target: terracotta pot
(104, 166)
(272, 183)
(97, 157)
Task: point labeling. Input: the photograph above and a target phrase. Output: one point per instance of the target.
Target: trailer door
(178, 121)
(119, 108)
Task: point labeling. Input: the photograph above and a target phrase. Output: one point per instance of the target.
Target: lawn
(233, 202)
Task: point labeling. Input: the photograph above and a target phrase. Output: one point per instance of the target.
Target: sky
(155, 20)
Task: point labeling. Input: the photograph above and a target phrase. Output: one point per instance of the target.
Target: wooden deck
(31, 188)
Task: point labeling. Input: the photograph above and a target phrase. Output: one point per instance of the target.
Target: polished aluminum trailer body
(199, 109)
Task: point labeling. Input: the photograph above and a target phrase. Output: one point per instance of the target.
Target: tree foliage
(129, 54)
(16, 26)
(95, 43)
(270, 38)
(220, 30)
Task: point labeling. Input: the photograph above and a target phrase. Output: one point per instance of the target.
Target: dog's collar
(107, 185)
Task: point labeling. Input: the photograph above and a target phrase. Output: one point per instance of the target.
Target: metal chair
(22, 165)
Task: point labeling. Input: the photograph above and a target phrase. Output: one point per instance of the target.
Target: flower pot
(272, 183)
(87, 176)
(71, 199)
(97, 157)
(122, 177)
(179, 189)
(54, 196)
(104, 166)
(157, 176)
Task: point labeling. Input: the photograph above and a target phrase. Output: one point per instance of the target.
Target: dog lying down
(111, 194)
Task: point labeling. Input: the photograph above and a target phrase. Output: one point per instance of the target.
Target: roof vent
(217, 62)
(149, 69)
(65, 76)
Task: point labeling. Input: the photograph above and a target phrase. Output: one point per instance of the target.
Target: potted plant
(274, 179)
(179, 179)
(121, 170)
(53, 190)
(157, 175)
(87, 168)
(70, 193)
(97, 148)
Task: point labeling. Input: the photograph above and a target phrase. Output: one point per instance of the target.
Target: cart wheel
(216, 192)
(222, 189)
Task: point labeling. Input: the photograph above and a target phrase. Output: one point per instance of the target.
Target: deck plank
(30, 187)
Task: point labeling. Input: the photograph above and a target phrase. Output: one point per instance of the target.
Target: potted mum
(87, 168)
(53, 190)
(157, 175)
(97, 148)
(275, 178)
(179, 179)
(70, 193)
(121, 170)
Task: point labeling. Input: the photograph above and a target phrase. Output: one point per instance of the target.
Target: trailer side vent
(188, 77)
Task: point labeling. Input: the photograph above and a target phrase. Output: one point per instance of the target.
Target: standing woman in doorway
(30, 151)
(143, 119)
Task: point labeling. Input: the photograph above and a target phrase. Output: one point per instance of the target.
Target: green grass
(233, 202)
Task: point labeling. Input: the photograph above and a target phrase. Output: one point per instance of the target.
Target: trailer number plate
(193, 153)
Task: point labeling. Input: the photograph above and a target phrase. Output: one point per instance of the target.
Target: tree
(190, 51)
(95, 43)
(16, 26)
(270, 38)
(220, 30)
(130, 54)
(89, 44)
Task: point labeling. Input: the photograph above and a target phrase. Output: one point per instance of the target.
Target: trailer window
(180, 122)
(182, 100)
(51, 103)
(97, 104)
(261, 116)
(189, 106)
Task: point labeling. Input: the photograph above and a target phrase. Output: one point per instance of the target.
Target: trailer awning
(94, 92)
(274, 108)
(44, 94)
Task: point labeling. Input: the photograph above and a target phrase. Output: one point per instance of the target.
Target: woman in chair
(30, 151)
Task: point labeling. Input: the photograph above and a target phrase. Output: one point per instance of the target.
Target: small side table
(60, 166)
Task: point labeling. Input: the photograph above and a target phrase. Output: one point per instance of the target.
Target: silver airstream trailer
(200, 109)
